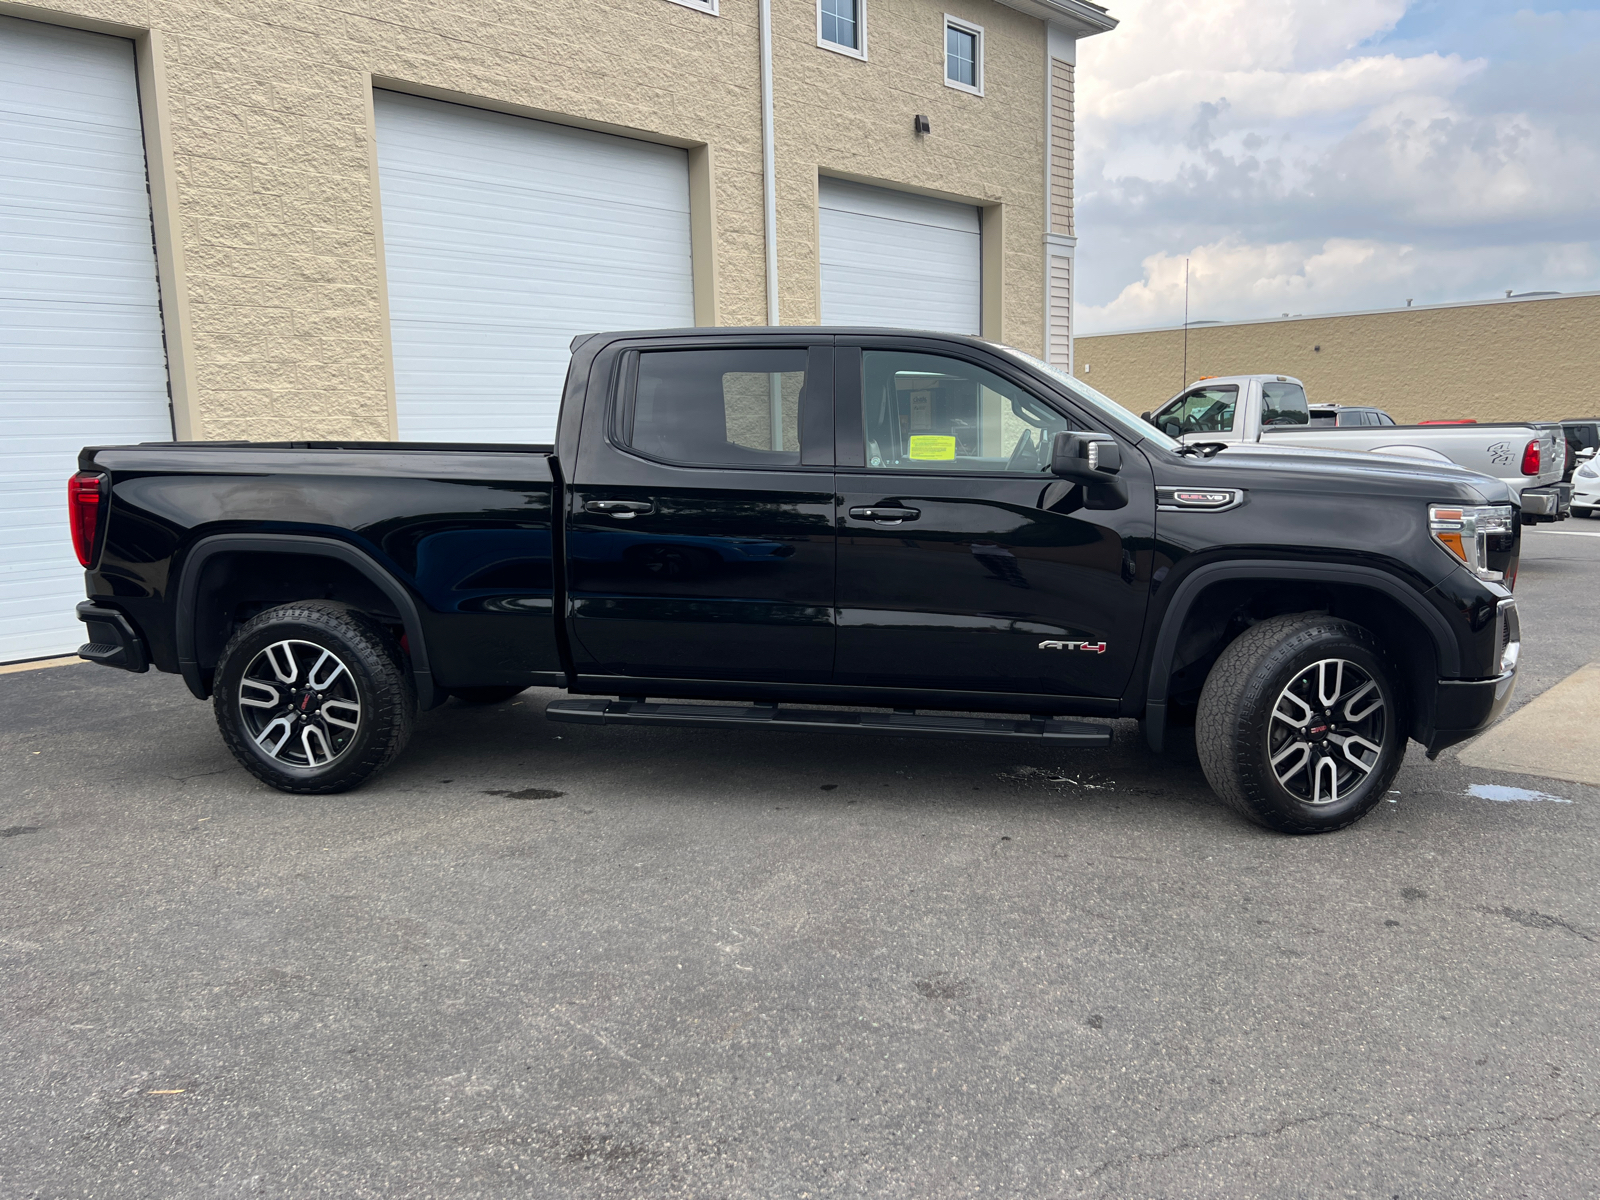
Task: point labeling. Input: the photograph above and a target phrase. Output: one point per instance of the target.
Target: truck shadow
(510, 748)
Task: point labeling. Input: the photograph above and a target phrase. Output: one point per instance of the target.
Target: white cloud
(1303, 164)
(1233, 279)
(1277, 94)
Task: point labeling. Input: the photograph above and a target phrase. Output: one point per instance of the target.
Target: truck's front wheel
(1299, 727)
(313, 697)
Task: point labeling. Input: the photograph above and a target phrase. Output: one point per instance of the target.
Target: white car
(1586, 485)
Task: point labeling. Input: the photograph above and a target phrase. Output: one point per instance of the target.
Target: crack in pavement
(1534, 919)
(1285, 1126)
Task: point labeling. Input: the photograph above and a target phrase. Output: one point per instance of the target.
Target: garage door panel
(81, 354)
(504, 238)
(896, 259)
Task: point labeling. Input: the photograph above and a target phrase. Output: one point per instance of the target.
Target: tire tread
(1226, 725)
(394, 695)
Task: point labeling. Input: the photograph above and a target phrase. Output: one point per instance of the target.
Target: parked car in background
(1342, 415)
(1585, 484)
(922, 525)
(1582, 435)
(1528, 458)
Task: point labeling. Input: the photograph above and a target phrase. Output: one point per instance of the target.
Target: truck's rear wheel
(1299, 727)
(313, 697)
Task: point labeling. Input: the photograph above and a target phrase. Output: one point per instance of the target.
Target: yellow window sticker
(932, 447)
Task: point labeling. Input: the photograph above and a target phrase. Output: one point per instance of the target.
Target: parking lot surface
(537, 959)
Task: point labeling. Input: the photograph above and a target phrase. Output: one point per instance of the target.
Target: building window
(705, 6)
(963, 55)
(842, 26)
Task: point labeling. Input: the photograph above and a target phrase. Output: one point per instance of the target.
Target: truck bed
(467, 527)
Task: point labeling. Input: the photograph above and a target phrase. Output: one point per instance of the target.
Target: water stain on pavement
(532, 793)
(1496, 791)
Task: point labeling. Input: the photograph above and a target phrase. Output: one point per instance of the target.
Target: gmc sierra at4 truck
(739, 528)
(1530, 459)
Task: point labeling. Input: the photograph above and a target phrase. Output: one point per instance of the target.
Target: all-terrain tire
(1236, 727)
(487, 695)
(321, 666)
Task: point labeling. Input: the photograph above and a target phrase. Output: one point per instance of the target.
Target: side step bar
(895, 724)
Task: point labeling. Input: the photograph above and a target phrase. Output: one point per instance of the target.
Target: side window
(1204, 410)
(1284, 404)
(929, 412)
(737, 408)
(1384, 418)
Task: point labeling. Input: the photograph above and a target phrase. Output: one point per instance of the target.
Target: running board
(896, 724)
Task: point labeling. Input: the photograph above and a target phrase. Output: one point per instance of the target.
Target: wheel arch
(1205, 605)
(355, 573)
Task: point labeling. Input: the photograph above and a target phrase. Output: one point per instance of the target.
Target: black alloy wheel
(313, 697)
(1300, 726)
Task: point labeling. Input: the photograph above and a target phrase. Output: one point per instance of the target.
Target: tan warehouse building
(235, 219)
(1523, 358)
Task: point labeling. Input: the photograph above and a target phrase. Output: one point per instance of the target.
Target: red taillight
(1530, 458)
(83, 509)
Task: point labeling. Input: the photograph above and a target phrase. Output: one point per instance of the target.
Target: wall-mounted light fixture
(919, 124)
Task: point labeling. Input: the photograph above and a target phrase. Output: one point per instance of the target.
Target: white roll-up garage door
(503, 238)
(81, 355)
(891, 258)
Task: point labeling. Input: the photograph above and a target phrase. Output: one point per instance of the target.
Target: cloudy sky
(1315, 156)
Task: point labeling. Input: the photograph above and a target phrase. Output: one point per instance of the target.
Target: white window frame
(706, 6)
(974, 89)
(861, 33)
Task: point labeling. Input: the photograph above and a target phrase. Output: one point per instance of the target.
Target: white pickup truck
(1529, 458)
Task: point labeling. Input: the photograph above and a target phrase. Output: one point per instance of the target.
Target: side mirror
(1085, 457)
(1146, 417)
(1584, 455)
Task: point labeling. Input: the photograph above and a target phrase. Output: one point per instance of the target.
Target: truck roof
(1215, 379)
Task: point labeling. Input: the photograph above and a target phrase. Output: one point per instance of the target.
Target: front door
(700, 539)
(963, 564)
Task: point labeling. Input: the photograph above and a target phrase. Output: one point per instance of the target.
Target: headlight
(1465, 533)
(1589, 470)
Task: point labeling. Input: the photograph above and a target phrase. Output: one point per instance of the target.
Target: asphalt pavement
(545, 960)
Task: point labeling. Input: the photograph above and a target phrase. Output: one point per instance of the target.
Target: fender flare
(289, 543)
(1190, 586)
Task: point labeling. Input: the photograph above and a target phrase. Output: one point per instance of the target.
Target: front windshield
(1104, 405)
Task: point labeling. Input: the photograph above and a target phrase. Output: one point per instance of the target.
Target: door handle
(622, 510)
(886, 515)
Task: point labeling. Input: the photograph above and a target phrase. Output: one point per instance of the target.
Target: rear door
(700, 540)
(964, 565)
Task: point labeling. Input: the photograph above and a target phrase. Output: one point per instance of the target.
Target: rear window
(1284, 404)
(719, 407)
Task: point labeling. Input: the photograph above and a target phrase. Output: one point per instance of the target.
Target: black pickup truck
(819, 529)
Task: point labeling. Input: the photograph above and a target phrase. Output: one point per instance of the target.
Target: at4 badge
(1091, 647)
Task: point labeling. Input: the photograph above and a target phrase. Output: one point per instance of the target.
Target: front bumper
(1464, 708)
(1541, 504)
(113, 641)
(1586, 493)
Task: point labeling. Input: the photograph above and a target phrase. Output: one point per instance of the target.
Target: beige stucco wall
(836, 115)
(272, 269)
(1503, 360)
